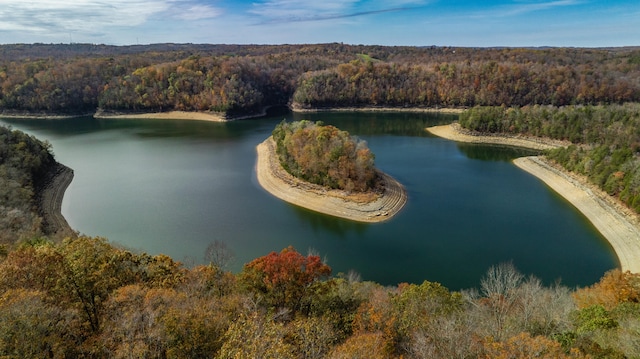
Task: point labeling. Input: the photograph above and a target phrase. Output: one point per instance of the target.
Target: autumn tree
(325, 155)
(284, 278)
(523, 346)
(615, 287)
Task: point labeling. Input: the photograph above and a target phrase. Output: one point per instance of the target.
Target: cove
(173, 187)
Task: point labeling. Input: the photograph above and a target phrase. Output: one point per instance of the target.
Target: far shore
(446, 110)
(170, 115)
(214, 116)
(616, 222)
(275, 180)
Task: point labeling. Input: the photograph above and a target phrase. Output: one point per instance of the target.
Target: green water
(173, 187)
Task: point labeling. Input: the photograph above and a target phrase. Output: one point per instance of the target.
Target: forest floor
(615, 221)
(275, 180)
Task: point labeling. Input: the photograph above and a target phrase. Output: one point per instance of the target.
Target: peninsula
(619, 225)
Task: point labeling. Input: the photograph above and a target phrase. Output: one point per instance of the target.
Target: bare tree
(218, 254)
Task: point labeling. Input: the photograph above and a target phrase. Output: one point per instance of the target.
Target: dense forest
(24, 164)
(244, 80)
(324, 155)
(83, 298)
(606, 140)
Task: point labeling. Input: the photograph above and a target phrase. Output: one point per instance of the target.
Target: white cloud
(525, 7)
(192, 12)
(92, 17)
(302, 9)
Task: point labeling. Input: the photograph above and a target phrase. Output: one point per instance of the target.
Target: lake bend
(174, 187)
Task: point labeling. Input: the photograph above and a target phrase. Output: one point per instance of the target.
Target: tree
(284, 278)
(524, 346)
(325, 156)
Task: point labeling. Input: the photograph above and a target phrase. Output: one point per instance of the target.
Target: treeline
(606, 140)
(84, 298)
(325, 155)
(244, 79)
(24, 162)
(466, 84)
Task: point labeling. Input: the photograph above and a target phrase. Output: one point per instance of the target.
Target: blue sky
(580, 23)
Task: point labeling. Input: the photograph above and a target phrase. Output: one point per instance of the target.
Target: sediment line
(275, 180)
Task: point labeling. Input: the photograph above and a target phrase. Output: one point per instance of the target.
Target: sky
(516, 23)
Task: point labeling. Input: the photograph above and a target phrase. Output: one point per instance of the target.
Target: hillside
(240, 80)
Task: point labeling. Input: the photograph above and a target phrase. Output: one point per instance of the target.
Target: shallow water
(173, 187)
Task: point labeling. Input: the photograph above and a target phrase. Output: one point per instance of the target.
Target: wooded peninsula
(67, 295)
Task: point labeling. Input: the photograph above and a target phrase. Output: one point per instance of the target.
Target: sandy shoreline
(455, 133)
(170, 115)
(618, 224)
(446, 110)
(51, 201)
(275, 180)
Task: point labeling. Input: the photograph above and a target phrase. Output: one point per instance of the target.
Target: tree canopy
(324, 155)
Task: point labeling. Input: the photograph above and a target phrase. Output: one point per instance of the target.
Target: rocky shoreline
(617, 223)
(50, 201)
(275, 180)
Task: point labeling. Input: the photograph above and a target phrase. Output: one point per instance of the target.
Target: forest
(241, 80)
(84, 298)
(24, 164)
(325, 155)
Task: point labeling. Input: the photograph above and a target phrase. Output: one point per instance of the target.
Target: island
(616, 222)
(376, 203)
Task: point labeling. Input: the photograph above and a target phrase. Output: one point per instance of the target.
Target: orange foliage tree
(614, 288)
(284, 278)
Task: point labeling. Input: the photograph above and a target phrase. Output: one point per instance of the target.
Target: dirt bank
(275, 180)
(301, 109)
(455, 133)
(171, 115)
(50, 201)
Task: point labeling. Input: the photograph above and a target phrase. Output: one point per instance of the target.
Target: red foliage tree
(283, 278)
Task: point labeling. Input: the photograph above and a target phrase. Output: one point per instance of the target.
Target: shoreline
(218, 116)
(275, 180)
(170, 115)
(444, 110)
(50, 201)
(454, 132)
(619, 228)
(615, 222)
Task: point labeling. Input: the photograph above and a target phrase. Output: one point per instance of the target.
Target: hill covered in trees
(85, 298)
(245, 79)
(324, 155)
(25, 166)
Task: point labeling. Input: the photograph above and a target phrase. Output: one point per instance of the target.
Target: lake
(174, 187)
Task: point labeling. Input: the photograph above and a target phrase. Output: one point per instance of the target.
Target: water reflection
(336, 226)
(486, 152)
(375, 123)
